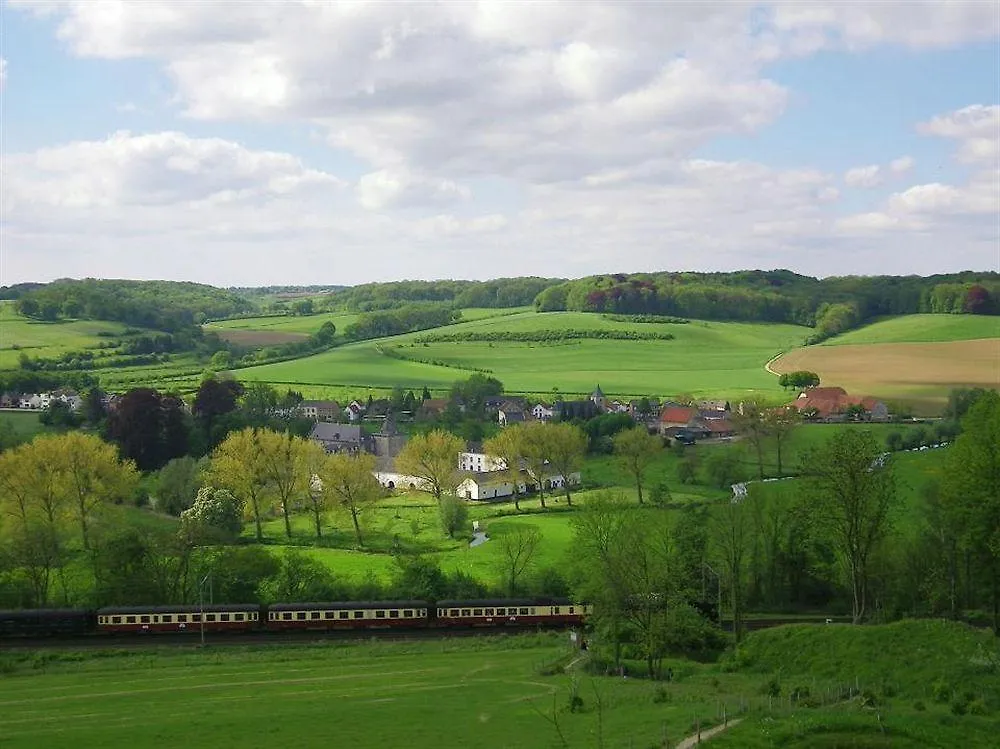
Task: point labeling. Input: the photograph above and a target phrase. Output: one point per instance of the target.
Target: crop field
(723, 359)
(47, 339)
(297, 324)
(918, 373)
(922, 329)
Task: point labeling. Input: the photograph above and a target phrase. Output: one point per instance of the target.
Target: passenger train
(285, 617)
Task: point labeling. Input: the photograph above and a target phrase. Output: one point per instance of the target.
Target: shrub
(978, 707)
(941, 691)
(660, 696)
(772, 687)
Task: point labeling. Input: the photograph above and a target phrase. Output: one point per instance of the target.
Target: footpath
(697, 738)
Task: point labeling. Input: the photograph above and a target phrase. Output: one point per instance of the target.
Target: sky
(306, 142)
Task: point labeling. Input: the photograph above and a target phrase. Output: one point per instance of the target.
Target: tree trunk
(638, 485)
(83, 525)
(256, 520)
(288, 524)
(319, 527)
(996, 599)
(569, 499)
(541, 494)
(357, 528)
(760, 458)
(777, 446)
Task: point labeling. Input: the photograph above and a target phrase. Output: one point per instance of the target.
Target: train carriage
(341, 615)
(46, 622)
(508, 612)
(153, 619)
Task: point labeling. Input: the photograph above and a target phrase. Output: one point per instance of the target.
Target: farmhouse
(320, 410)
(510, 413)
(432, 408)
(488, 485)
(338, 438)
(478, 462)
(834, 404)
(542, 412)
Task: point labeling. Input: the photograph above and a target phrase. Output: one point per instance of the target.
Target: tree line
(543, 336)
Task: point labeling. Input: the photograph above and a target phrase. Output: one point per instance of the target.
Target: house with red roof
(835, 404)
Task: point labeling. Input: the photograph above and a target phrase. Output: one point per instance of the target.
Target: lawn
(21, 424)
(724, 359)
(39, 339)
(921, 329)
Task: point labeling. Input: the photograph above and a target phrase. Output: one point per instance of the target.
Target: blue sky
(432, 141)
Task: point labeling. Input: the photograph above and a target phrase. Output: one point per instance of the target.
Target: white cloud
(976, 128)
(902, 165)
(863, 176)
(401, 188)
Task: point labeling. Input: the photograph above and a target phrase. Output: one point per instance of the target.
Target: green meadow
(721, 359)
(40, 339)
(922, 329)
(907, 684)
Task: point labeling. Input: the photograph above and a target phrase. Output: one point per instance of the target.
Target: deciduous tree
(853, 494)
(350, 484)
(506, 446)
(237, 465)
(567, 449)
(432, 458)
(285, 466)
(636, 449)
(518, 549)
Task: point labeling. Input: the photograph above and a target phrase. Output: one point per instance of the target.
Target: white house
(496, 485)
(541, 412)
(36, 400)
(480, 462)
(355, 410)
(396, 480)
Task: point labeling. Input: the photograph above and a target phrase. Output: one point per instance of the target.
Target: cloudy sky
(311, 142)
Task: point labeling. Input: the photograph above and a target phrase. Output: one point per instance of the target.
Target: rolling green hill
(703, 357)
(922, 329)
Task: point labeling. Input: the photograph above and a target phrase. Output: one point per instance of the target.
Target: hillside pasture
(721, 359)
(919, 374)
(302, 325)
(921, 329)
(41, 339)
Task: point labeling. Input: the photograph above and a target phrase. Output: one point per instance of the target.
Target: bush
(453, 513)
(772, 687)
(978, 707)
(941, 691)
(660, 696)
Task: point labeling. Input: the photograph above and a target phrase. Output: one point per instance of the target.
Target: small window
(300, 615)
(477, 612)
(453, 612)
(523, 611)
(196, 617)
(343, 614)
(130, 620)
(329, 614)
(116, 620)
(407, 613)
(182, 618)
(571, 610)
(489, 612)
(359, 614)
(209, 617)
(314, 614)
(286, 615)
(156, 619)
(223, 617)
(144, 620)
(238, 617)
(168, 618)
(380, 614)
(500, 612)
(393, 614)
(466, 612)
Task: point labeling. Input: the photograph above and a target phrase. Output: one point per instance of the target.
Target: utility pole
(201, 605)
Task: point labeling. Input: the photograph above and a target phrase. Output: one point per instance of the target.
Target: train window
(196, 617)
(343, 614)
(156, 619)
(182, 618)
(571, 609)
(407, 613)
(116, 620)
(501, 612)
(329, 614)
(209, 617)
(168, 618)
(466, 612)
(477, 612)
(237, 617)
(314, 615)
(359, 614)
(223, 617)
(130, 620)
(300, 615)
(286, 615)
(453, 612)
(524, 612)
(489, 612)
(393, 614)
(380, 614)
(144, 620)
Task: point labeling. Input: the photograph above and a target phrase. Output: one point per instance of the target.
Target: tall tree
(636, 449)
(853, 493)
(92, 474)
(432, 458)
(730, 539)
(237, 464)
(567, 448)
(518, 549)
(215, 398)
(752, 422)
(506, 447)
(779, 423)
(972, 494)
(136, 426)
(349, 482)
(285, 466)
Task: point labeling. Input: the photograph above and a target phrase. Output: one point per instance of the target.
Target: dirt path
(692, 740)
(772, 360)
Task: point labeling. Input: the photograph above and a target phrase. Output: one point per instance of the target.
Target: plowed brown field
(918, 373)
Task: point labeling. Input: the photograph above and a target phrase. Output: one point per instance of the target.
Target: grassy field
(922, 329)
(510, 692)
(302, 325)
(705, 358)
(919, 374)
(22, 424)
(40, 339)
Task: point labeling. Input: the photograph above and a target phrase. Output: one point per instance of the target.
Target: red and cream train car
(508, 612)
(347, 615)
(217, 618)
